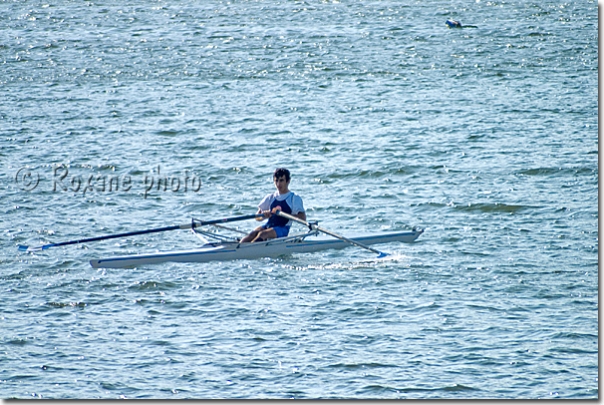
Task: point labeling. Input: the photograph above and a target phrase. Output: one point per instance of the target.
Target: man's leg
(251, 236)
(265, 234)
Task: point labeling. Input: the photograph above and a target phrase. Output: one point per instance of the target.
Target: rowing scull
(305, 243)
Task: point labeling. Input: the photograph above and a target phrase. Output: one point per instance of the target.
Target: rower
(282, 200)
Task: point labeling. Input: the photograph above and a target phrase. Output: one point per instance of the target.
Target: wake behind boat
(232, 250)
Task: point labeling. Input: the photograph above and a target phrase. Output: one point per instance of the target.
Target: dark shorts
(281, 231)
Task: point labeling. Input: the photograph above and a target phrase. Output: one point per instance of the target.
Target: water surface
(486, 137)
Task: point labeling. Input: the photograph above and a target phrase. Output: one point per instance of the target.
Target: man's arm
(299, 206)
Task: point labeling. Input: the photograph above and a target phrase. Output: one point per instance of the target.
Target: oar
(335, 235)
(191, 225)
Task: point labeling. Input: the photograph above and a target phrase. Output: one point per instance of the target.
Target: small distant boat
(453, 24)
(233, 250)
(457, 24)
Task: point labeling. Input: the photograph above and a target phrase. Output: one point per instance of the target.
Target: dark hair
(281, 171)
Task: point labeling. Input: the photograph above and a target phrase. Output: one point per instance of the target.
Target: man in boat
(284, 200)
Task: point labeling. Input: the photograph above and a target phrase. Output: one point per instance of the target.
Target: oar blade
(23, 248)
(383, 254)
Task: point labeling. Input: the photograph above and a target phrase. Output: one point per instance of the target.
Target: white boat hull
(234, 251)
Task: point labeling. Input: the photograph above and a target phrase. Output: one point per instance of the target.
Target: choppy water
(486, 137)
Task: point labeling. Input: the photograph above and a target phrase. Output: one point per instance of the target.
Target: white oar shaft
(335, 235)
